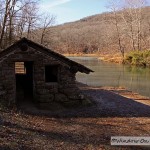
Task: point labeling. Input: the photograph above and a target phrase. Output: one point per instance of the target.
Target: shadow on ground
(78, 128)
(107, 104)
(61, 135)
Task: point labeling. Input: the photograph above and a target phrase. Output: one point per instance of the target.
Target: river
(117, 75)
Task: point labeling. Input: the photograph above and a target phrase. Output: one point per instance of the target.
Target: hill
(125, 28)
(98, 33)
(102, 33)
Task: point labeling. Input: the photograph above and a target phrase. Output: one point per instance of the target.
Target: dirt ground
(117, 112)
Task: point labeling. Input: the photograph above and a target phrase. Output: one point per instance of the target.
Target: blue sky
(71, 10)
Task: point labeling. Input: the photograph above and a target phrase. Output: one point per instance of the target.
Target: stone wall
(64, 91)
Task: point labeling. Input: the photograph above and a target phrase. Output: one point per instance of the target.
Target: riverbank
(118, 112)
(134, 58)
(81, 55)
(115, 58)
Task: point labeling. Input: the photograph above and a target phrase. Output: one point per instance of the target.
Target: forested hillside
(108, 32)
(120, 30)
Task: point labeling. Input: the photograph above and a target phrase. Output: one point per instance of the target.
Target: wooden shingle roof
(49, 52)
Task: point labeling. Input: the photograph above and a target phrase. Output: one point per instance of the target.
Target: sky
(72, 10)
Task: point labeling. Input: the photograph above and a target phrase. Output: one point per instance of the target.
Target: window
(20, 68)
(51, 73)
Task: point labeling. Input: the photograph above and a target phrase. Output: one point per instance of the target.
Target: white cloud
(53, 4)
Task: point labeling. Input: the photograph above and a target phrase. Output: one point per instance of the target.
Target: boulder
(61, 98)
(46, 98)
(72, 103)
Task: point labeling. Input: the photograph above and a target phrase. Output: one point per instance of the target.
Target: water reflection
(108, 74)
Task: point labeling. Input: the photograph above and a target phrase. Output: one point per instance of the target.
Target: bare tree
(4, 21)
(114, 7)
(132, 16)
(48, 20)
(31, 16)
(17, 18)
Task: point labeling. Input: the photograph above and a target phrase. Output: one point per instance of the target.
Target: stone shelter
(29, 71)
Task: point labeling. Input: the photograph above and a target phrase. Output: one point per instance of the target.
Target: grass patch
(138, 58)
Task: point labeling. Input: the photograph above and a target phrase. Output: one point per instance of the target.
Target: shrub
(138, 58)
(148, 61)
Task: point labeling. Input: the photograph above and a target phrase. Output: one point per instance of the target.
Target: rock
(75, 96)
(69, 91)
(86, 102)
(1, 88)
(46, 98)
(2, 93)
(61, 98)
(42, 91)
(50, 106)
(54, 90)
(81, 96)
(72, 103)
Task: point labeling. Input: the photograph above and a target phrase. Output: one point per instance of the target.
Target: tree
(132, 16)
(114, 7)
(48, 20)
(20, 18)
(4, 20)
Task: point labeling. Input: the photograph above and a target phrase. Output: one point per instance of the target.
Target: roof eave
(81, 68)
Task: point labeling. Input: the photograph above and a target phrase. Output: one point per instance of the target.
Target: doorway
(24, 81)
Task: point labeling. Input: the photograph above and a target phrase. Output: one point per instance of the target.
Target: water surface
(116, 75)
